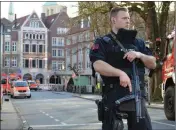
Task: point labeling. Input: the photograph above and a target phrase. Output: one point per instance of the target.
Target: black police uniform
(106, 49)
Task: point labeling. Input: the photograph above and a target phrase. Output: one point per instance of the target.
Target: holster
(100, 109)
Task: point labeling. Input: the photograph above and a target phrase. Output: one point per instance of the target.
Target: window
(61, 30)
(36, 24)
(33, 63)
(73, 39)
(54, 65)
(40, 64)
(14, 62)
(40, 36)
(53, 41)
(26, 36)
(33, 48)
(87, 36)
(32, 24)
(7, 62)
(54, 52)
(37, 37)
(26, 48)
(33, 36)
(68, 41)
(80, 37)
(60, 53)
(68, 52)
(30, 35)
(26, 63)
(41, 48)
(60, 41)
(7, 46)
(20, 84)
(60, 65)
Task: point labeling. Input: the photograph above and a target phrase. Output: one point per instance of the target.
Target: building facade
(78, 41)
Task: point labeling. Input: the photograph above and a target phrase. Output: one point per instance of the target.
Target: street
(47, 110)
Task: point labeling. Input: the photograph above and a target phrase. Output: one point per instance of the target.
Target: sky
(25, 8)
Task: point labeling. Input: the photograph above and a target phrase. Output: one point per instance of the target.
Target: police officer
(115, 67)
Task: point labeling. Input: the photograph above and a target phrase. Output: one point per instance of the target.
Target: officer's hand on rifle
(125, 80)
(131, 55)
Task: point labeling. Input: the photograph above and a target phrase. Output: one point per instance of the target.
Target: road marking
(34, 126)
(63, 123)
(47, 114)
(43, 112)
(163, 123)
(56, 120)
(51, 117)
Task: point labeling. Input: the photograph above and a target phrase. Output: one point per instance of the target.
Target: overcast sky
(25, 8)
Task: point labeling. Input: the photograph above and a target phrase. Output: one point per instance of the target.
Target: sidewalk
(93, 97)
(9, 116)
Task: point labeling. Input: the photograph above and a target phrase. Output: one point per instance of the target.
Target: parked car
(20, 88)
(33, 85)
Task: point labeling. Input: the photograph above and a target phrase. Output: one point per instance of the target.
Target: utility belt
(107, 103)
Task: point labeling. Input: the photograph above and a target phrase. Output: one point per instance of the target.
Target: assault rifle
(135, 95)
(136, 92)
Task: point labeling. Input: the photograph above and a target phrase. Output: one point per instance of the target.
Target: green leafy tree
(153, 14)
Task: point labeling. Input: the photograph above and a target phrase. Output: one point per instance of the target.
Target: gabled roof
(20, 21)
(5, 21)
(76, 25)
(49, 20)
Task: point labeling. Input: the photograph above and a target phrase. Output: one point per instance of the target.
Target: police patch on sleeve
(95, 47)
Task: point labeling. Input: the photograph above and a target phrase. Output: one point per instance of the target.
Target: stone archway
(55, 80)
(27, 76)
(40, 77)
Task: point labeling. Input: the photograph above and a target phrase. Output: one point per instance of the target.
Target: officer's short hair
(114, 11)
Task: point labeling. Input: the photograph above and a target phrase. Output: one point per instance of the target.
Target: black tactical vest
(115, 58)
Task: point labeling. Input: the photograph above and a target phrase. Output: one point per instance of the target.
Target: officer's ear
(113, 20)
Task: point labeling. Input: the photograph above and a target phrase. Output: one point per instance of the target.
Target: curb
(20, 127)
(24, 125)
(148, 106)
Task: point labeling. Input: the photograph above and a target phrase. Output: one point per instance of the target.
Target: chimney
(43, 16)
(15, 21)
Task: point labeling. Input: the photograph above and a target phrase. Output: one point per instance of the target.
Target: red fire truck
(168, 77)
(6, 81)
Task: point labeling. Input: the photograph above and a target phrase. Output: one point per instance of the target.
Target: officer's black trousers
(144, 124)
